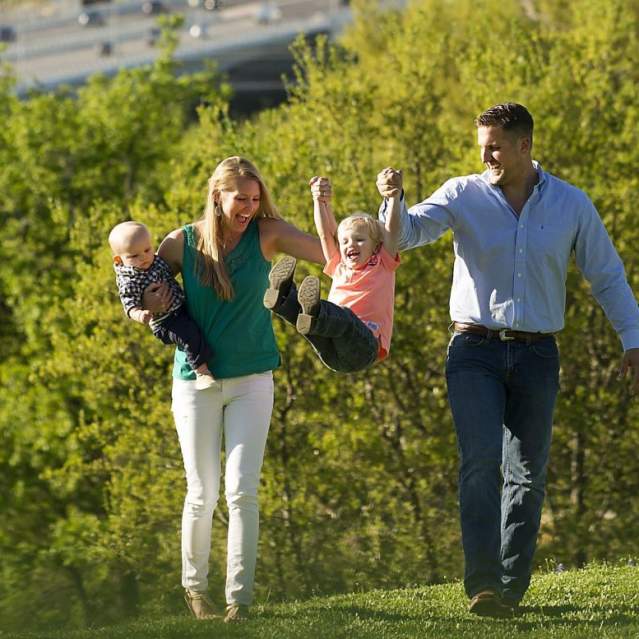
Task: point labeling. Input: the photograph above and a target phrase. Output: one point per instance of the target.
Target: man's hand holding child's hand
(389, 182)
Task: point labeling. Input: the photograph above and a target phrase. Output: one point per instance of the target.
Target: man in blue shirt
(514, 229)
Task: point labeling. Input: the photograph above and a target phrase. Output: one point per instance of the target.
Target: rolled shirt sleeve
(427, 221)
(602, 267)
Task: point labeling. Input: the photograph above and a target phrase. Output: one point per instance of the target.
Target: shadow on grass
(549, 611)
(341, 611)
(568, 615)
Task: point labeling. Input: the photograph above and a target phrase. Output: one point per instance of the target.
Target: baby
(136, 266)
(352, 329)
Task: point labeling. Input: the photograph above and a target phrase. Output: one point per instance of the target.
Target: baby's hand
(141, 315)
(320, 189)
(145, 316)
(389, 182)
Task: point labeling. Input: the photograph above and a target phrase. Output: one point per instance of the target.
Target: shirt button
(518, 274)
(521, 250)
(521, 226)
(519, 299)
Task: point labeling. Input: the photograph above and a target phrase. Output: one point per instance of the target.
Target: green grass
(597, 602)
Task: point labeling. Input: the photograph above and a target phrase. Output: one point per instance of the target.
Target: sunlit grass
(598, 602)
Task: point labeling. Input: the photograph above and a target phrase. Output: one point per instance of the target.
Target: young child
(137, 266)
(352, 329)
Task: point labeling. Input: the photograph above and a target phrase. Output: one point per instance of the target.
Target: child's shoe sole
(281, 274)
(308, 296)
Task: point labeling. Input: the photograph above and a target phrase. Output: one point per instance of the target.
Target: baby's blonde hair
(123, 234)
(359, 218)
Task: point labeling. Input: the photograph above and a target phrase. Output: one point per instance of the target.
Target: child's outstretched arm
(323, 215)
(391, 188)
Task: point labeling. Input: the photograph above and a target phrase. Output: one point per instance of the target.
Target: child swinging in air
(352, 329)
(136, 266)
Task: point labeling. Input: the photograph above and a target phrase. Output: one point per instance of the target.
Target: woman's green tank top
(239, 331)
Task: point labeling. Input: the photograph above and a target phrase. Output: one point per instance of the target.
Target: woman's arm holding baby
(157, 297)
(172, 249)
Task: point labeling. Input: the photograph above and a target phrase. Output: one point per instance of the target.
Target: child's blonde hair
(359, 218)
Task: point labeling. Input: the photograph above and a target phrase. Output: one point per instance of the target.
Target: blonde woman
(224, 259)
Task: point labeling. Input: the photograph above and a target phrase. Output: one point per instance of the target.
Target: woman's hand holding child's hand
(320, 189)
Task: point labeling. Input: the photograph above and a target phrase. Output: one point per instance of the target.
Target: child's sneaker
(204, 380)
(308, 295)
(280, 279)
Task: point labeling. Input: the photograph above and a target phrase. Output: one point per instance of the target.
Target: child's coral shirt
(369, 292)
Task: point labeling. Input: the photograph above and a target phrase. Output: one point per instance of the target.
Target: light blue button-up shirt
(510, 271)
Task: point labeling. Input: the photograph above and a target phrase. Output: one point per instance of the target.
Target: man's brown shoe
(487, 603)
(236, 613)
(200, 605)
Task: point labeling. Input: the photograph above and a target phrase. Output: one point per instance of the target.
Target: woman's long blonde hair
(209, 264)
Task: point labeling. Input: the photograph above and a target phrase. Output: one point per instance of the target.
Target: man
(515, 227)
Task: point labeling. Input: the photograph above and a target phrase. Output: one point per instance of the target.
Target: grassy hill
(597, 602)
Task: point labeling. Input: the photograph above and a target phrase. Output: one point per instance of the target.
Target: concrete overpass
(248, 40)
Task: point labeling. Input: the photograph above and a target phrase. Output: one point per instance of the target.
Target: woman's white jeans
(240, 408)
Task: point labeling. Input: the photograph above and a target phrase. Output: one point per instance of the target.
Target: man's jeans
(341, 340)
(502, 396)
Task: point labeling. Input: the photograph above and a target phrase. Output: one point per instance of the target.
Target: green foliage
(79, 164)
(359, 483)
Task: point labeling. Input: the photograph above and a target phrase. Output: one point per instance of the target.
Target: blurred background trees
(359, 486)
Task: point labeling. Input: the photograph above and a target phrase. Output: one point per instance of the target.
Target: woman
(225, 259)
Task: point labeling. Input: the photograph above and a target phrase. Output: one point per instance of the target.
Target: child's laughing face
(355, 245)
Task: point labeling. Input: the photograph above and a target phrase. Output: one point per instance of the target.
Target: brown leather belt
(504, 334)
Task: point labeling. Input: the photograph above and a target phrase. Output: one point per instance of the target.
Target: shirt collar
(540, 172)
(542, 175)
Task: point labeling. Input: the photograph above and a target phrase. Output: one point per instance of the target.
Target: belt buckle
(503, 337)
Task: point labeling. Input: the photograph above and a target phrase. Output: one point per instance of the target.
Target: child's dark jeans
(341, 340)
(178, 328)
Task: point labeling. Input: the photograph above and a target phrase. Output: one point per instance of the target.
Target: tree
(360, 470)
